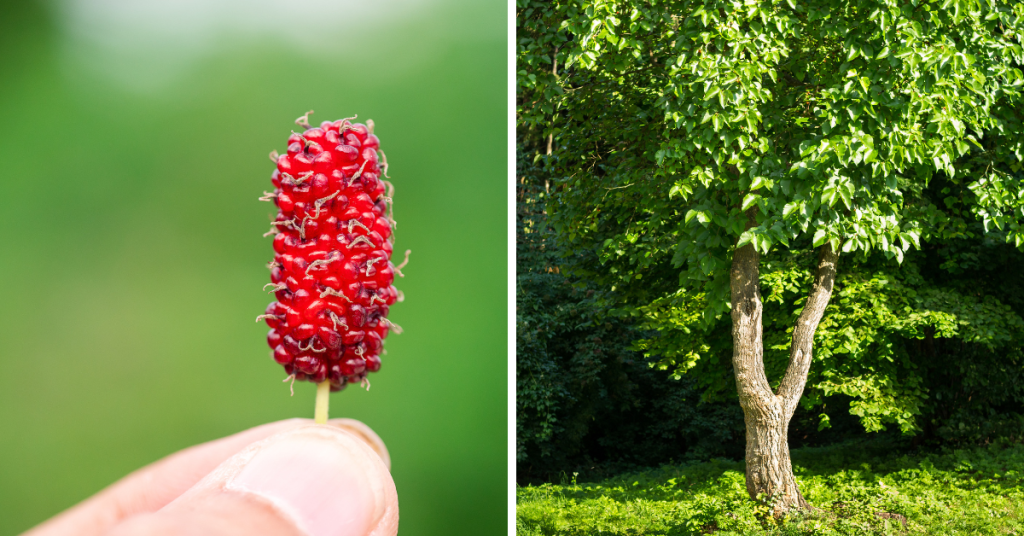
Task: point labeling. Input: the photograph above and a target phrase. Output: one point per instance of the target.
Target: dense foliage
(889, 129)
(589, 401)
(927, 346)
(585, 398)
(861, 488)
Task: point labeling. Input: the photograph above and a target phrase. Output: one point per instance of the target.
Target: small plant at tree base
(331, 272)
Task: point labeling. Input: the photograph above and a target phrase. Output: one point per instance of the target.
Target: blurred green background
(131, 259)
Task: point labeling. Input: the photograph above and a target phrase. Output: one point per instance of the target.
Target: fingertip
(152, 488)
(366, 434)
(325, 480)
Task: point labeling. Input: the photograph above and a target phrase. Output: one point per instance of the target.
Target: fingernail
(319, 477)
(366, 434)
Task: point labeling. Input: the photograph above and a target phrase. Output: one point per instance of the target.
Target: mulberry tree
(693, 138)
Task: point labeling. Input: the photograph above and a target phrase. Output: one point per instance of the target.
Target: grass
(974, 491)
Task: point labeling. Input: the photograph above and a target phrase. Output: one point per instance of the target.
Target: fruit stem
(323, 393)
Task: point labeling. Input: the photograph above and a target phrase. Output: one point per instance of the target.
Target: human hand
(289, 477)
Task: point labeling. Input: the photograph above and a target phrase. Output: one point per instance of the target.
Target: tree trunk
(769, 470)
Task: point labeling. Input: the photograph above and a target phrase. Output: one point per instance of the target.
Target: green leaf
(749, 200)
(907, 241)
(915, 238)
(737, 225)
(789, 209)
(865, 83)
(689, 215)
(807, 148)
(707, 264)
(710, 94)
(855, 110)
(745, 238)
(828, 196)
(678, 189)
(819, 237)
(781, 237)
(845, 195)
(915, 29)
(870, 155)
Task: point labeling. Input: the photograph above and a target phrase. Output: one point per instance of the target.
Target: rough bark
(769, 470)
(792, 385)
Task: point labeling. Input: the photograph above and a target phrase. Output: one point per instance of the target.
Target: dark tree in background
(587, 399)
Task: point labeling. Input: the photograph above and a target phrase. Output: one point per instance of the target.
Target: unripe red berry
(307, 363)
(281, 355)
(273, 338)
(331, 275)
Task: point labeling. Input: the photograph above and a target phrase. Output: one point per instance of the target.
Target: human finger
(314, 480)
(154, 486)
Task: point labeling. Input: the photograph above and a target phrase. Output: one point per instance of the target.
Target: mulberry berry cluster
(331, 272)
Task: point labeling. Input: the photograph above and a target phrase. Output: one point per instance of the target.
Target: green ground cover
(863, 487)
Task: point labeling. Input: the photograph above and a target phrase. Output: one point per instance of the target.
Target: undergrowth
(857, 488)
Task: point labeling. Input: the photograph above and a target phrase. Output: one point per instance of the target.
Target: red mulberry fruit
(331, 272)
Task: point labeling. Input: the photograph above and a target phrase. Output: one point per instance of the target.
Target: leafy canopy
(879, 127)
(826, 119)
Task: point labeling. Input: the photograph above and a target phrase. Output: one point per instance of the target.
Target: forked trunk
(769, 470)
(766, 413)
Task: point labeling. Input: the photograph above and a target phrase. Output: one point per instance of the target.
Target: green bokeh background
(131, 259)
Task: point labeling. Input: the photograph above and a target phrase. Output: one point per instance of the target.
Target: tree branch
(792, 385)
(748, 348)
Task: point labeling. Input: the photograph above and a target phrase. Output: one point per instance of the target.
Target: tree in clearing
(690, 139)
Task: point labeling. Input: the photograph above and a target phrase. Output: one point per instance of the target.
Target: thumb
(315, 481)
